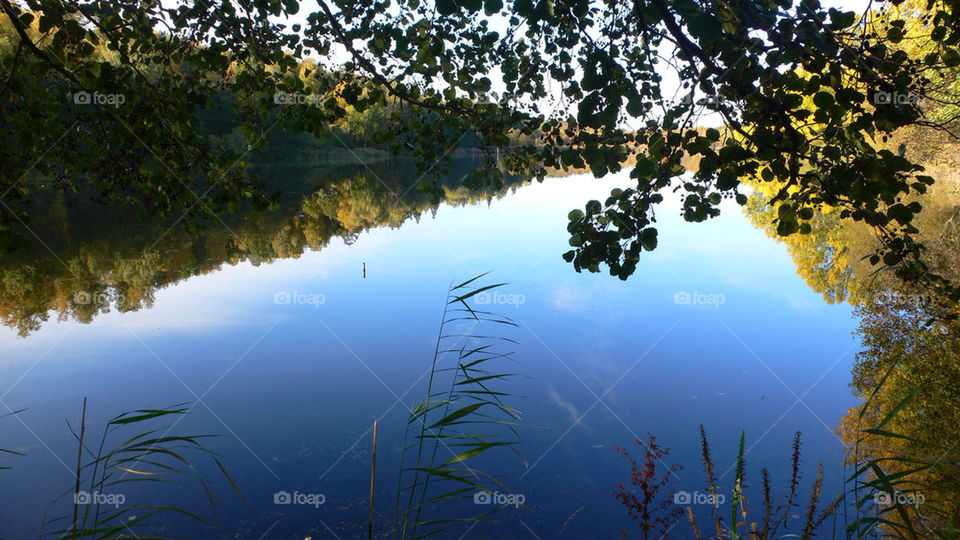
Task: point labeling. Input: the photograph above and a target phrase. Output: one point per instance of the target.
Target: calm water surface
(293, 388)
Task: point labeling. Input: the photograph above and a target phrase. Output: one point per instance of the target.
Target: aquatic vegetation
(463, 416)
(651, 515)
(127, 457)
(901, 441)
(662, 515)
(773, 518)
(6, 450)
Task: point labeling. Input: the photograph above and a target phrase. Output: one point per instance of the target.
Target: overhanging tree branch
(375, 74)
(25, 39)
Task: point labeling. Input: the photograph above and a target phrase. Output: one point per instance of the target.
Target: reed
(463, 416)
(134, 450)
(7, 450)
(76, 488)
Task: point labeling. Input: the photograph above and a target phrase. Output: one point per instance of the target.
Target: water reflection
(294, 387)
(901, 442)
(87, 259)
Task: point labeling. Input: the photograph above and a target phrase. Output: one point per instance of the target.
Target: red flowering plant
(644, 501)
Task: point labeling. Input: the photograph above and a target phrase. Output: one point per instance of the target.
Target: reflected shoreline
(93, 259)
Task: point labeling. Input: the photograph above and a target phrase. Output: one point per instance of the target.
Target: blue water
(294, 388)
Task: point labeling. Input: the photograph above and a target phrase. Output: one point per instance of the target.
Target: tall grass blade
(7, 450)
(145, 457)
(453, 427)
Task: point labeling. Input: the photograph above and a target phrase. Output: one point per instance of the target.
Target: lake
(290, 353)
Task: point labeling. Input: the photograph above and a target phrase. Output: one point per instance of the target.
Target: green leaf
(705, 28)
(491, 7)
(446, 7)
(787, 225)
(823, 99)
(456, 415)
(471, 453)
(472, 6)
(648, 239)
(900, 213)
(644, 168)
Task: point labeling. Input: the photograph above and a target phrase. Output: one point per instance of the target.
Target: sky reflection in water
(294, 387)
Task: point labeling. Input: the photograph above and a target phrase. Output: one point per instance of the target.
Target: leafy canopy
(802, 91)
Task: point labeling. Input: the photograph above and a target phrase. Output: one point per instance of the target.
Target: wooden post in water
(373, 475)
